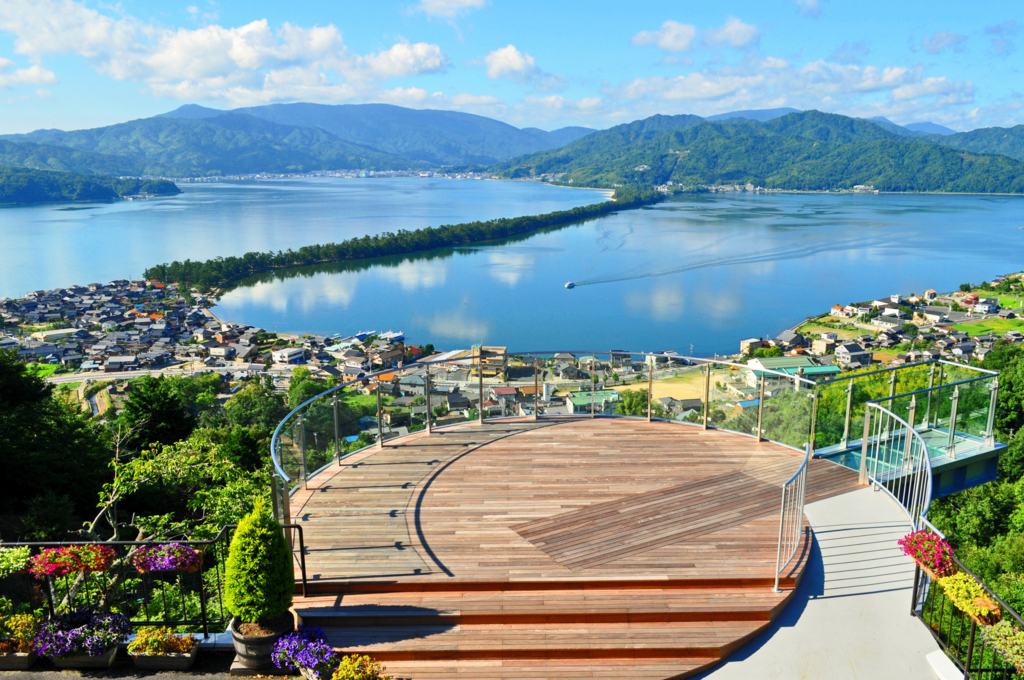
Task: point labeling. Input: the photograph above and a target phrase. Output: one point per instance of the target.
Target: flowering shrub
(968, 595)
(305, 649)
(1007, 640)
(928, 550)
(82, 631)
(72, 559)
(17, 631)
(13, 560)
(359, 668)
(153, 641)
(166, 557)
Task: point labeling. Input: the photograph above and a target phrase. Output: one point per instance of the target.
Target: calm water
(700, 271)
(52, 246)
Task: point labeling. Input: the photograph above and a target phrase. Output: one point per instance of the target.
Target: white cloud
(734, 33)
(242, 65)
(508, 63)
(944, 40)
(809, 8)
(671, 37)
(33, 75)
(449, 8)
(1001, 43)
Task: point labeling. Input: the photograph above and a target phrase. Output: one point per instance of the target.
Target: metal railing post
(480, 367)
(864, 445)
(286, 509)
(849, 414)
(931, 385)
(592, 386)
(814, 417)
(760, 408)
(302, 450)
(337, 430)
(276, 498)
(917, 586)
(990, 428)
(536, 387)
(430, 414)
(650, 389)
(380, 416)
(970, 649)
(778, 554)
(942, 377)
(892, 386)
(951, 440)
(707, 391)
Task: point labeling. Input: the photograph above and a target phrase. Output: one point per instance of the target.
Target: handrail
(917, 484)
(791, 518)
(890, 369)
(469, 359)
(925, 390)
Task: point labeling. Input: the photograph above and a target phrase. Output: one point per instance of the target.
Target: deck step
(554, 669)
(331, 587)
(662, 640)
(541, 607)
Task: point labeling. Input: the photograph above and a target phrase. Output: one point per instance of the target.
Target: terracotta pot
(167, 662)
(935, 575)
(17, 662)
(253, 652)
(83, 660)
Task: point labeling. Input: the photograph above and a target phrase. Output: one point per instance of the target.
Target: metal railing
(894, 458)
(956, 633)
(768, 405)
(191, 601)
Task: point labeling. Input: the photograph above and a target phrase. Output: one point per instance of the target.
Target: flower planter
(83, 660)
(990, 619)
(253, 652)
(935, 576)
(167, 662)
(17, 662)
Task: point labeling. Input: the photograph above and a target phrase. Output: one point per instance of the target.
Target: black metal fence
(187, 600)
(960, 636)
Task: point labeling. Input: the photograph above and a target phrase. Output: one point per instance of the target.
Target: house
(602, 401)
(750, 344)
(413, 386)
(1013, 336)
(933, 314)
(458, 401)
(823, 346)
(227, 353)
(851, 354)
(930, 294)
(492, 362)
(123, 362)
(288, 355)
(790, 339)
(1007, 314)
(388, 358)
(839, 310)
(565, 370)
(986, 306)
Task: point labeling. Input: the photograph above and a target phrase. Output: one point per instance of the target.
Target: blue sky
(74, 64)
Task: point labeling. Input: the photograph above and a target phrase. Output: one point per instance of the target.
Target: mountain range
(806, 150)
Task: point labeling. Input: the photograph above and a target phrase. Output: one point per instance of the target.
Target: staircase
(649, 629)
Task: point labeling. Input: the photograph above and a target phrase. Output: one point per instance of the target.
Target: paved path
(850, 618)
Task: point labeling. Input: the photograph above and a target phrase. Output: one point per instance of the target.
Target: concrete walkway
(850, 617)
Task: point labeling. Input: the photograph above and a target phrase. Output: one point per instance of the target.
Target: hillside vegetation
(1005, 141)
(798, 151)
(23, 186)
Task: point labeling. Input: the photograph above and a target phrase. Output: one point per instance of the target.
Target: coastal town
(92, 341)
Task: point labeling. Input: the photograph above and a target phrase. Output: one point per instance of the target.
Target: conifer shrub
(258, 578)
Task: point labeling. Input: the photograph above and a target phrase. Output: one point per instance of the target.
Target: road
(170, 370)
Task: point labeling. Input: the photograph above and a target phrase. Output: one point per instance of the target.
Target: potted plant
(72, 559)
(81, 639)
(17, 638)
(930, 551)
(14, 560)
(167, 557)
(970, 598)
(358, 667)
(160, 649)
(1008, 641)
(258, 584)
(306, 650)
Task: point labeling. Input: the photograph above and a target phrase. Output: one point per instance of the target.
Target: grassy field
(686, 386)
(984, 326)
(811, 330)
(42, 370)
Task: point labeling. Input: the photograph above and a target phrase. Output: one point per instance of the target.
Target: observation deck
(556, 547)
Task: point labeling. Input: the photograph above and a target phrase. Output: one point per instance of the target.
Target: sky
(73, 64)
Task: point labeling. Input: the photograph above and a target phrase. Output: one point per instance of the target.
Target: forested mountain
(433, 136)
(1005, 141)
(228, 143)
(50, 157)
(24, 186)
(808, 150)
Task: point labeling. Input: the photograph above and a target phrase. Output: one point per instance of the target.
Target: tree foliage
(23, 186)
(259, 578)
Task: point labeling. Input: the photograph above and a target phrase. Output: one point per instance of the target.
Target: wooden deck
(496, 550)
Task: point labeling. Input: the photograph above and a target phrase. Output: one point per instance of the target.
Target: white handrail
(895, 459)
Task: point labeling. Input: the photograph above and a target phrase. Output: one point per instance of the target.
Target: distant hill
(803, 151)
(23, 186)
(930, 128)
(427, 135)
(1005, 141)
(760, 115)
(227, 143)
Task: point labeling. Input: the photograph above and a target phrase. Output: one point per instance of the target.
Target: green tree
(259, 578)
(255, 405)
(156, 412)
(909, 329)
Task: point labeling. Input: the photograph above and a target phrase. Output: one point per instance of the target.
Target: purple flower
(305, 648)
(166, 557)
(81, 631)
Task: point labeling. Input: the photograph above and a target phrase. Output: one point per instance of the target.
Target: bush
(259, 578)
(359, 668)
(13, 560)
(158, 641)
(17, 631)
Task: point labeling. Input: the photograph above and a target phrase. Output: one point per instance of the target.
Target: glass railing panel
(732, 397)
(318, 420)
(830, 424)
(786, 411)
(973, 407)
(289, 454)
